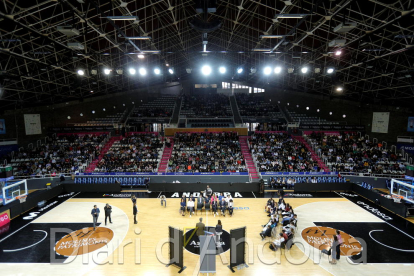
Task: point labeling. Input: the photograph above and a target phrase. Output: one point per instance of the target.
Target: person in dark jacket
(135, 212)
(266, 233)
(95, 214)
(108, 211)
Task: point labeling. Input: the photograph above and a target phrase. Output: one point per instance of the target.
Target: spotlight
(93, 111)
(278, 69)
(304, 70)
(222, 70)
(107, 71)
(141, 56)
(94, 71)
(339, 89)
(297, 105)
(171, 71)
(167, 64)
(317, 110)
(206, 70)
(81, 72)
(91, 91)
(157, 71)
(338, 53)
(103, 109)
(290, 70)
(132, 71)
(239, 70)
(307, 108)
(330, 113)
(344, 116)
(287, 103)
(81, 114)
(267, 70)
(330, 70)
(317, 70)
(119, 71)
(142, 71)
(68, 117)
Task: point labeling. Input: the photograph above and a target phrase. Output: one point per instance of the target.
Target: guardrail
(41, 176)
(398, 176)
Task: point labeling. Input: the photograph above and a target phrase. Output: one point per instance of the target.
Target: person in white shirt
(277, 242)
(190, 206)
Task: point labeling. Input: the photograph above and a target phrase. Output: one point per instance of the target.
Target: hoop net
(22, 198)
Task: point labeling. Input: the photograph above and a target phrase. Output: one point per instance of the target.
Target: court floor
(125, 248)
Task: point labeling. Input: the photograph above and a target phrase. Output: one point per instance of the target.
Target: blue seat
(134, 181)
(130, 180)
(329, 179)
(319, 179)
(111, 180)
(105, 180)
(100, 180)
(84, 180)
(116, 179)
(95, 180)
(89, 180)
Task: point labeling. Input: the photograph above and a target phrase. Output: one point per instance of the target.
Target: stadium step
(314, 156)
(105, 148)
(248, 159)
(165, 157)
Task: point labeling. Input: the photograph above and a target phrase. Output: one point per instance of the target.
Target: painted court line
(36, 218)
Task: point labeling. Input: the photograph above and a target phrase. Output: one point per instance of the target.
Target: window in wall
(250, 89)
(204, 85)
(225, 85)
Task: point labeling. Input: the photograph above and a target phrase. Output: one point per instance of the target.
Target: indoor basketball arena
(201, 137)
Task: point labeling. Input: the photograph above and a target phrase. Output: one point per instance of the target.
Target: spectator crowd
(347, 152)
(64, 154)
(134, 153)
(275, 152)
(206, 152)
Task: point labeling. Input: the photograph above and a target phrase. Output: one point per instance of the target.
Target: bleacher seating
(280, 182)
(160, 107)
(251, 105)
(139, 152)
(206, 152)
(66, 154)
(309, 120)
(346, 152)
(110, 120)
(205, 106)
(276, 152)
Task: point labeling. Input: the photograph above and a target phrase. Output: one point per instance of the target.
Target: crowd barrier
(159, 173)
(198, 187)
(97, 188)
(122, 180)
(318, 187)
(397, 208)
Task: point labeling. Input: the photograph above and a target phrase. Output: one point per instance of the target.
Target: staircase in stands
(106, 147)
(248, 158)
(165, 157)
(314, 156)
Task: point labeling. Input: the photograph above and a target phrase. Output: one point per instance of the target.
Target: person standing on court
(135, 212)
(133, 199)
(108, 211)
(163, 200)
(200, 228)
(95, 214)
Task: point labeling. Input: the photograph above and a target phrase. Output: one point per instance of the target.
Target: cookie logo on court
(321, 238)
(84, 241)
(192, 242)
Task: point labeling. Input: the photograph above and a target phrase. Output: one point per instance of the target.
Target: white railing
(57, 175)
(383, 175)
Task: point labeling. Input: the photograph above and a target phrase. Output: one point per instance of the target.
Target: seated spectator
(280, 152)
(206, 152)
(277, 243)
(230, 207)
(266, 233)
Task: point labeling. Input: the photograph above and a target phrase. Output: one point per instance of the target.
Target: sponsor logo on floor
(321, 238)
(192, 242)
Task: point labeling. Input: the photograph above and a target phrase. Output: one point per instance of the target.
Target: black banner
(333, 127)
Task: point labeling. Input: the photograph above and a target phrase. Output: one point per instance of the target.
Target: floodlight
(267, 70)
(132, 71)
(107, 71)
(142, 71)
(222, 70)
(304, 70)
(330, 70)
(81, 72)
(206, 70)
(239, 70)
(157, 71)
(278, 69)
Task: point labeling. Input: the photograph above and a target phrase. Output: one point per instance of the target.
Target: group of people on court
(209, 201)
(279, 212)
(95, 214)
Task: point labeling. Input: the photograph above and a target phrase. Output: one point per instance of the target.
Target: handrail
(375, 140)
(384, 144)
(393, 147)
(383, 175)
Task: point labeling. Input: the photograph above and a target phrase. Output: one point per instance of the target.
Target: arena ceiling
(38, 66)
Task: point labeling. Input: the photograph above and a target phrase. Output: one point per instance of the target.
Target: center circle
(192, 242)
(84, 241)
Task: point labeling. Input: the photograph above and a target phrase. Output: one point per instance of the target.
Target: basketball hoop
(397, 198)
(22, 198)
